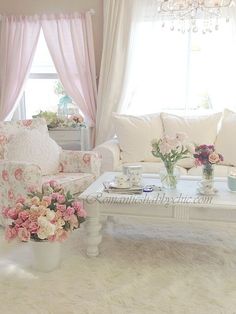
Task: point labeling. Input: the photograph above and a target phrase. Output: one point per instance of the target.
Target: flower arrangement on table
(170, 150)
(50, 215)
(206, 156)
(55, 121)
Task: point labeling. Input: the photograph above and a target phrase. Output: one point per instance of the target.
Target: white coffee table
(182, 204)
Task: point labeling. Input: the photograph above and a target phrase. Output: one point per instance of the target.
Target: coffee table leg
(94, 237)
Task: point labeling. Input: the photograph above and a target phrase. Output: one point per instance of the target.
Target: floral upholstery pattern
(74, 182)
(8, 128)
(80, 161)
(77, 171)
(16, 180)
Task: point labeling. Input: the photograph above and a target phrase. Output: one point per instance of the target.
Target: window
(177, 72)
(43, 90)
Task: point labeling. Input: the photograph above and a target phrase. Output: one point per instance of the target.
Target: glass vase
(169, 176)
(207, 183)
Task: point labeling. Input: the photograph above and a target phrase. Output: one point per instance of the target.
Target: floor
(143, 268)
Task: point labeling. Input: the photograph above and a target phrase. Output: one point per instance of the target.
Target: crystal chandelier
(192, 15)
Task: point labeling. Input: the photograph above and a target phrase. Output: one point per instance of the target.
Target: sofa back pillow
(199, 129)
(34, 147)
(226, 139)
(135, 134)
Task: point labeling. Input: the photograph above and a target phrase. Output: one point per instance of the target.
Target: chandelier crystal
(192, 15)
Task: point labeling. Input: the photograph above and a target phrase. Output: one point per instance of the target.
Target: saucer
(203, 192)
(117, 186)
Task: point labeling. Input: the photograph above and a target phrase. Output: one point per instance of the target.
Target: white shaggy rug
(142, 269)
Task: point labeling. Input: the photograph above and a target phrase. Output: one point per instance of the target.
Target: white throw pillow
(135, 134)
(226, 139)
(35, 147)
(199, 129)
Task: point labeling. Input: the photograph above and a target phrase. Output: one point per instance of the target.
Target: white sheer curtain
(120, 17)
(19, 37)
(70, 42)
(147, 68)
(171, 71)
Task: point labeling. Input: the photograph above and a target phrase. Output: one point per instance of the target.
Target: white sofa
(132, 144)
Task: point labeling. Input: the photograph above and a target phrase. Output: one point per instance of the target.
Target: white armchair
(77, 169)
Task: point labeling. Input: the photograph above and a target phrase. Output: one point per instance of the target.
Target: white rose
(47, 231)
(42, 221)
(50, 214)
(42, 234)
(50, 229)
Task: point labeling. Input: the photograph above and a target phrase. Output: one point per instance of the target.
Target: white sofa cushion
(226, 139)
(35, 147)
(135, 134)
(199, 129)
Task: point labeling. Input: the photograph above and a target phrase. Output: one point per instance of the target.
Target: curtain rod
(91, 11)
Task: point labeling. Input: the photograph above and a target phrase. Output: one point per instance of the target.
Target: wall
(29, 7)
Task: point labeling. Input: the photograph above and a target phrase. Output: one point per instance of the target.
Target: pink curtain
(70, 42)
(19, 37)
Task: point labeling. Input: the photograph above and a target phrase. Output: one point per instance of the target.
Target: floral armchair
(76, 171)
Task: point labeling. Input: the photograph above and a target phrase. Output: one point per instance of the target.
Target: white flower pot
(46, 256)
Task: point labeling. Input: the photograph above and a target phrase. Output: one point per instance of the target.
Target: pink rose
(20, 200)
(61, 198)
(12, 213)
(18, 223)
(33, 227)
(165, 148)
(5, 175)
(82, 213)
(18, 174)
(54, 196)
(53, 183)
(77, 205)
(74, 224)
(10, 233)
(23, 234)
(27, 123)
(68, 213)
(214, 158)
(47, 199)
(62, 208)
(23, 215)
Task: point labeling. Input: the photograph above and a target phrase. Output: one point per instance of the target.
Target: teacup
(121, 181)
(135, 175)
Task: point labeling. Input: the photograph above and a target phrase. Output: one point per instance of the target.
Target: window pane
(42, 62)
(174, 71)
(40, 95)
(160, 64)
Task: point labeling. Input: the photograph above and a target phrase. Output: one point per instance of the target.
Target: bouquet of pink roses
(50, 215)
(206, 155)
